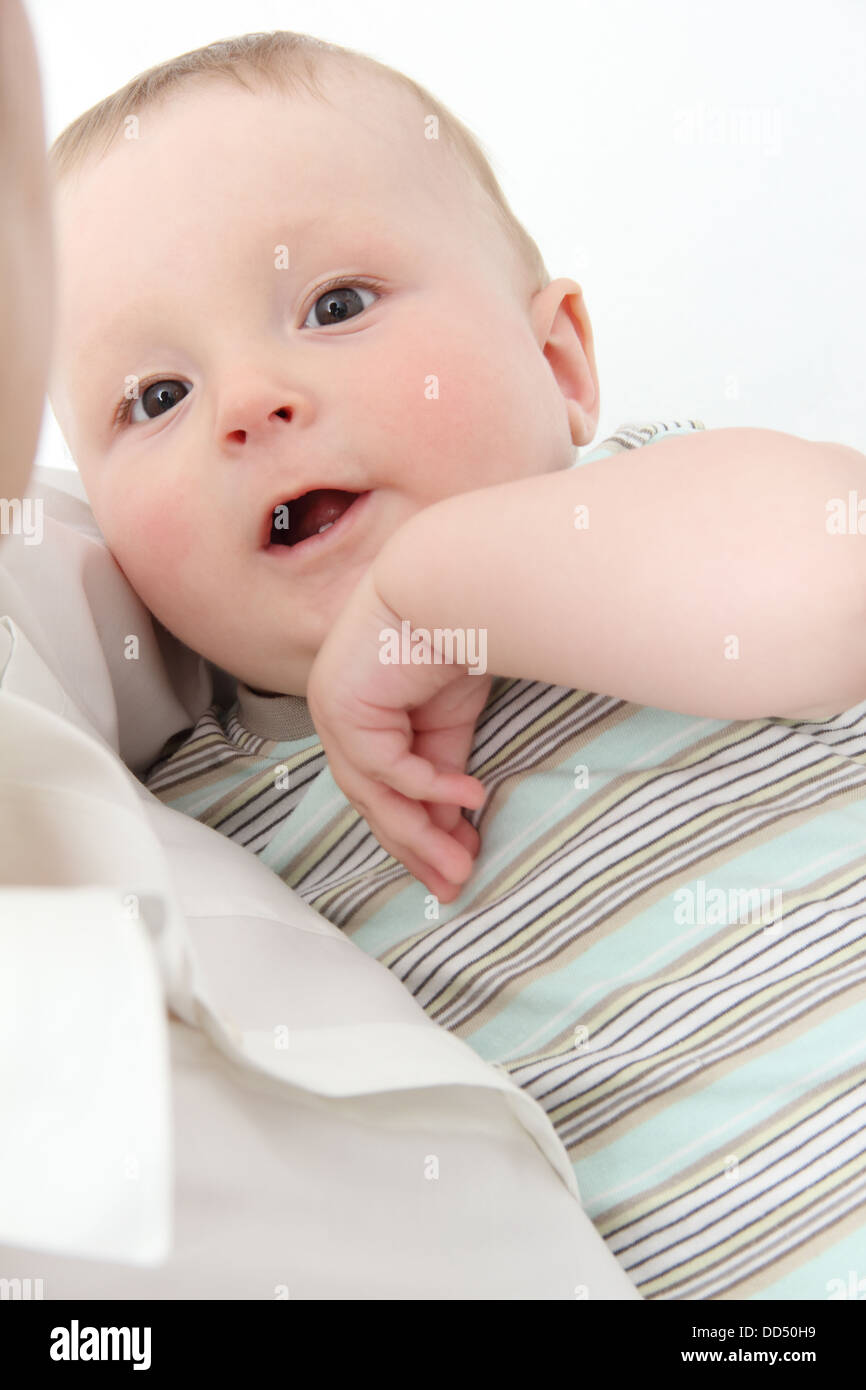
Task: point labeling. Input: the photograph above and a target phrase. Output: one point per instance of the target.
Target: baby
(325, 400)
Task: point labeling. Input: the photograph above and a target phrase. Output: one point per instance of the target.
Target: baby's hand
(397, 738)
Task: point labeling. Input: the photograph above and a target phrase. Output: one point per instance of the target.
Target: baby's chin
(275, 684)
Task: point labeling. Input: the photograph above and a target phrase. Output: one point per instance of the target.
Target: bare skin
(449, 378)
(706, 582)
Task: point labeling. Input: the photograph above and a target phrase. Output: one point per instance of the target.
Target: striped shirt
(663, 941)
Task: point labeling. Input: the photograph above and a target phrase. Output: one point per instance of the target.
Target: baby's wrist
(407, 571)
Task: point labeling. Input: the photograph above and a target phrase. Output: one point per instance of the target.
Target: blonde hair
(290, 63)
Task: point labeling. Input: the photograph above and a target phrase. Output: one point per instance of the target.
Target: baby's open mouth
(299, 518)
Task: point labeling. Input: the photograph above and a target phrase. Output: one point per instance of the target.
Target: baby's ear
(26, 265)
(564, 334)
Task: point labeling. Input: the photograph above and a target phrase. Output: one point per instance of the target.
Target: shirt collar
(278, 717)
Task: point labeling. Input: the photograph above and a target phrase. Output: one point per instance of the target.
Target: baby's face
(420, 379)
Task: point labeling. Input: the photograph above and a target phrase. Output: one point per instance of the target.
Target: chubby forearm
(696, 574)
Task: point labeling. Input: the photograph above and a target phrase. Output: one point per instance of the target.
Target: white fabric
(320, 1136)
(83, 1088)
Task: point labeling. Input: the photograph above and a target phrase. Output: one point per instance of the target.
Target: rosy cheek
(156, 539)
(431, 395)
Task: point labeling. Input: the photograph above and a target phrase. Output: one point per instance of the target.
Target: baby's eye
(338, 303)
(157, 398)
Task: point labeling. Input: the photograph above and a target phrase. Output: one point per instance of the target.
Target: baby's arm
(706, 582)
(701, 576)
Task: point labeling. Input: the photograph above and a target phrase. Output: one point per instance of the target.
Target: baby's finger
(445, 891)
(381, 756)
(451, 818)
(403, 826)
(466, 835)
(417, 778)
(444, 852)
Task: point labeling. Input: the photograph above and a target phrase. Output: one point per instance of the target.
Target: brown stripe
(659, 1103)
(689, 1180)
(808, 1249)
(837, 1206)
(568, 1116)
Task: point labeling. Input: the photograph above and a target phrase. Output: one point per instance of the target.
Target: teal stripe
(821, 1277)
(321, 802)
(653, 940)
(400, 919)
(713, 1118)
(199, 803)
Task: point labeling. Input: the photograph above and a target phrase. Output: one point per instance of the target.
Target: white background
(696, 167)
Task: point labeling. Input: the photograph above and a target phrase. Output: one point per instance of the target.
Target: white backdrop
(697, 168)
